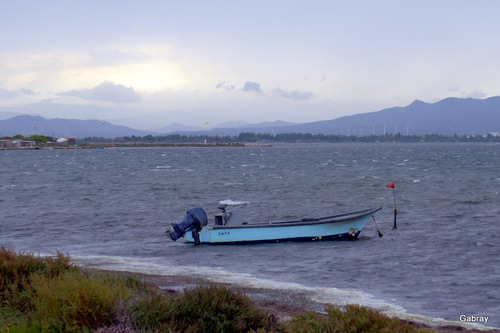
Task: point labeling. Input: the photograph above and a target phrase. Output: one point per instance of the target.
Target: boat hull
(345, 226)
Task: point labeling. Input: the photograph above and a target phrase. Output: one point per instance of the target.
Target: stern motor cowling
(195, 220)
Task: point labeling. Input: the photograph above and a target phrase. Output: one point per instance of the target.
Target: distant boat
(229, 228)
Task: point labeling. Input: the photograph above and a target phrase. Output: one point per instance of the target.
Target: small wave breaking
(230, 202)
(321, 295)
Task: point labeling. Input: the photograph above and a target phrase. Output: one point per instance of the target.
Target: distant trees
(250, 137)
(37, 138)
(41, 138)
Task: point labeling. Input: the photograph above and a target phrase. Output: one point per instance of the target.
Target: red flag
(390, 186)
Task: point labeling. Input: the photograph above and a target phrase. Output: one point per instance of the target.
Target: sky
(209, 62)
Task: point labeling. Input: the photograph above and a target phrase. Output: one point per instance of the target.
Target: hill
(31, 125)
(449, 116)
(446, 117)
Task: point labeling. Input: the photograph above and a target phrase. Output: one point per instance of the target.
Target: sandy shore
(281, 305)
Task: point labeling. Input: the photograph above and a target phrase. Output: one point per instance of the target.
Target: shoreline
(135, 145)
(280, 305)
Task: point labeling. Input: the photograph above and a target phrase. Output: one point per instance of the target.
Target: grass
(49, 294)
(352, 319)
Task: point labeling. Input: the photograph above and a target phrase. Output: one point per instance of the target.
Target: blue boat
(229, 228)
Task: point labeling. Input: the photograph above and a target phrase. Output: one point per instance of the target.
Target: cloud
(223, 85)
(477, 94)
(107, 92)
(252, 86)
(9, 94)
(458, 91)
(295, 95)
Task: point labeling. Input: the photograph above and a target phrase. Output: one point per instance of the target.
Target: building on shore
(66, 142)
(17, 144)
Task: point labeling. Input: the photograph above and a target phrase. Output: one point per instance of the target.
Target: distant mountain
(50, 109)
(232, 124)
(268, 124)
(175, 127)
(265, 127)
(448, 116)
(157, 121)
(31, 125)
(7, 115)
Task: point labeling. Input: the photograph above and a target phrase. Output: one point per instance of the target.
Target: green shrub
(71, 302)
(16, 270)
(216, 309)
(51, 295)
(353, 319)
(152, 313)
(22, 329)
(204, 309)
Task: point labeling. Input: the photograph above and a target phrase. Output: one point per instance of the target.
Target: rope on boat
(379, 233)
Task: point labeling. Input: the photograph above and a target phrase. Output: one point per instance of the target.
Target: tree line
(37, 138)
(250, 137)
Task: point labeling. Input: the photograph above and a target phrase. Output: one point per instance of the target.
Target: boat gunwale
(305, 222)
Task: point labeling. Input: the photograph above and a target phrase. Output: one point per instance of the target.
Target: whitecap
(321, 295)
(233, 203)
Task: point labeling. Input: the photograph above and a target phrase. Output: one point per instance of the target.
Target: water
(102, 207)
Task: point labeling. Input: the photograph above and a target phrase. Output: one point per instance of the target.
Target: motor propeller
(195, 220)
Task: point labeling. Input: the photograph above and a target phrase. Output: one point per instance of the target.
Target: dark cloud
(295, 95)
(223, 85)
(8, 94)
(107, 92)
(252, 86)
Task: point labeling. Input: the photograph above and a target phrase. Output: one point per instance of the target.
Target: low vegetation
(37, 138)
(249, 137)
(50, 294)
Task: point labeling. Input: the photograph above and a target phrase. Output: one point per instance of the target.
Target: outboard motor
(195, 220)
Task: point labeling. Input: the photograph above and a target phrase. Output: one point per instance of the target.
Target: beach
(280, 305)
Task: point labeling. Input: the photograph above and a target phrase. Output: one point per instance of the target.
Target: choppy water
(101, 206)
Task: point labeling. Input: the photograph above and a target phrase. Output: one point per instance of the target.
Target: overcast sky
(213, 61)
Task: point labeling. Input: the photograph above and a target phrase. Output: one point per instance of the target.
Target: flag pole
(395, 209)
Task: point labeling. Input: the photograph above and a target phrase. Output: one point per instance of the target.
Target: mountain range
(448, 116)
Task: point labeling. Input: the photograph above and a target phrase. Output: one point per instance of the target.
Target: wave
(230, 202)
(320, 295)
